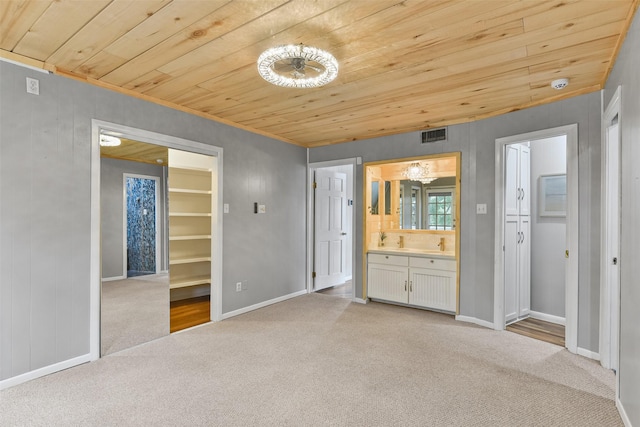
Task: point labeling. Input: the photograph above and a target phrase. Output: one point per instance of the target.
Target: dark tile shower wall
(141, 226)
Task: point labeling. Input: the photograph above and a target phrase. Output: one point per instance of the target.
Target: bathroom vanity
(419, 278)
(411, 231)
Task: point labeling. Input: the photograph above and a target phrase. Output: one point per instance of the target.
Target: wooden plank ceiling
(404, 65)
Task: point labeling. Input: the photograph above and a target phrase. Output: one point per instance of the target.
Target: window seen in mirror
(440, 211)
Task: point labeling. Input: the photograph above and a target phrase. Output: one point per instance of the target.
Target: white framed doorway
(126, 212)
(98, 126)
(346, 167)
(610, 236)
(571, 267)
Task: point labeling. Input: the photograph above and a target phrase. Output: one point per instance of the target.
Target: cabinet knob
(386, 256)
(431, 261)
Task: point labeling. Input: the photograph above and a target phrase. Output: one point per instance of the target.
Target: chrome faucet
(441, 244)
(401, 241)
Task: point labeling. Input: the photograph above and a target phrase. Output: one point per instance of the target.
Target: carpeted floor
(133, 311)
(318, 360)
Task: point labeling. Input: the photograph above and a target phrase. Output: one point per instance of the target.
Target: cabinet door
(525, 180)
(432, 288)
(524, 267)
(511, 181)
(387, 282)
(511, 243)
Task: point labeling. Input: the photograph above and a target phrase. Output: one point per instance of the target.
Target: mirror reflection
(415, 195)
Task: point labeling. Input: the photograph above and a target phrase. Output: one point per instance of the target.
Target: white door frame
(126, 175)
(216, 216)
(311, 168)
(609, 309)
(571, 280)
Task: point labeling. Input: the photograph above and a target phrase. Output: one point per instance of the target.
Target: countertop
(426, 253)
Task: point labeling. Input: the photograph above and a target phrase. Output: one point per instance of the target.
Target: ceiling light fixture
(109, 141)
(417, 172)
(297, 66)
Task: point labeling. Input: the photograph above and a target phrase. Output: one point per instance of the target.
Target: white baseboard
(548, 318)
(359, 300)
(588, 353)
(32, 375)
(478, 322)
(111, 279)
(263, 304)
(623, 414)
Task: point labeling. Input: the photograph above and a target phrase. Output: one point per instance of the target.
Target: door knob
(343, 234)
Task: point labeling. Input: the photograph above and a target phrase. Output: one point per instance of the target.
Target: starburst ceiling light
(109, 141)
(417, 172)
(297, 66)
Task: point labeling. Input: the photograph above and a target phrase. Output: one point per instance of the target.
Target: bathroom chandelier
(109, 141)
(417, 172)
(297, 66)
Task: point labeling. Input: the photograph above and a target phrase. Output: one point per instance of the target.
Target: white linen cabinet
(517, 236)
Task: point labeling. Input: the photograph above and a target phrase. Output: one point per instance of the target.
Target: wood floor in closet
(189, 312)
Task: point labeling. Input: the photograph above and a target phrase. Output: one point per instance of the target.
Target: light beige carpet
(133, 311)
(318, 360)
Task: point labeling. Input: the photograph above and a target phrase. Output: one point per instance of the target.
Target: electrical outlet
(481, 208)
(33, 86)
(238, 286)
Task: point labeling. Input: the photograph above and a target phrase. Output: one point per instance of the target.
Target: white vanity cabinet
(428, 282)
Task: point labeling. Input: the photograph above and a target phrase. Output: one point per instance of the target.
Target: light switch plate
(481, 208)
(225, 208)
(262, 208)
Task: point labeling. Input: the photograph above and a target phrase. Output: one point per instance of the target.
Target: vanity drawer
(402, 261)
(433, 263)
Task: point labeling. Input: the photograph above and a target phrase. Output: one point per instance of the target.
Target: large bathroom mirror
(414, 194)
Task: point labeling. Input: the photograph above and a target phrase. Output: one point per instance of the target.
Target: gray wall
(626, 73)
(476, 142)
(45, 211)
(548, 234)
(111, 200)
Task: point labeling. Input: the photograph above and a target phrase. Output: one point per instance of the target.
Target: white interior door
(612, 178)
(330, 229)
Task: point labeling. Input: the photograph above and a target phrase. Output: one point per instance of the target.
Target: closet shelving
(190, 192)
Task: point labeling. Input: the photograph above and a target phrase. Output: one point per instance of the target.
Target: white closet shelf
(192, 237)
(193, 281)
(193, 214)
(188, 191)
(189, 260)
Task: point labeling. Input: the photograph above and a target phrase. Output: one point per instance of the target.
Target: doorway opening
(332, 225)
(141, 241)
(536, 233)
(211, 197)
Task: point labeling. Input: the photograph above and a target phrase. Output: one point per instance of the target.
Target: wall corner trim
(360, 300)
(262, 304)
(623, 413)
(588, 354)
(476, 321)
(46, 370)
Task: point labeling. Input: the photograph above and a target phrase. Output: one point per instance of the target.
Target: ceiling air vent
(434, 135)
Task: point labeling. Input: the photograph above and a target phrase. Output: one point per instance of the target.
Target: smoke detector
(559, 84)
